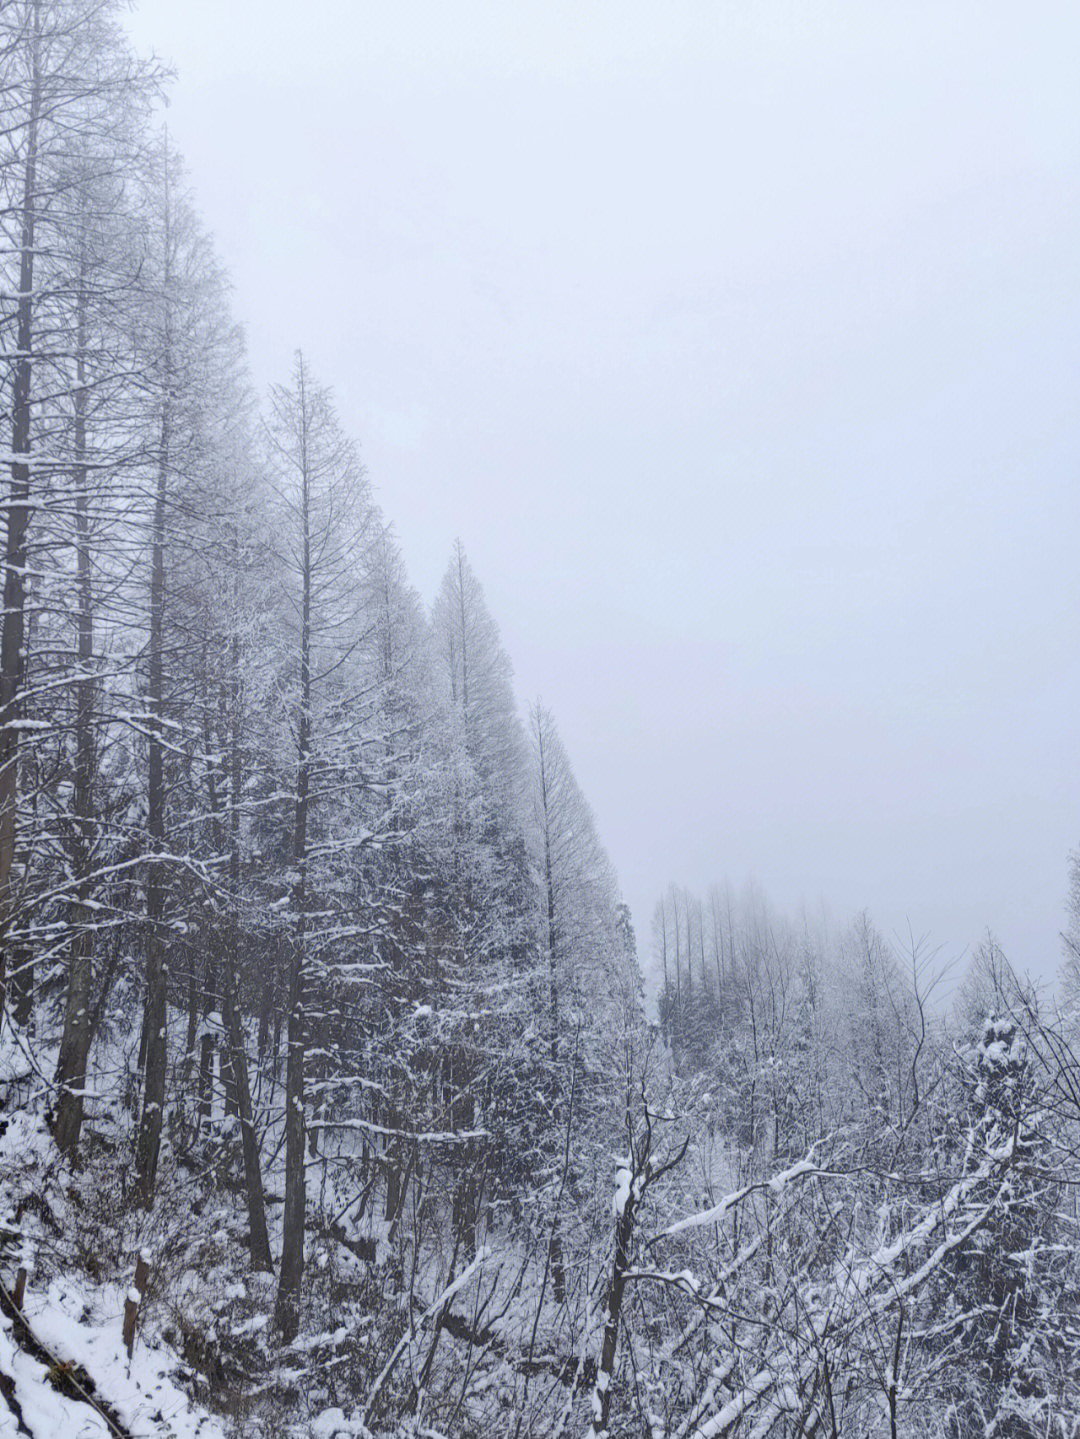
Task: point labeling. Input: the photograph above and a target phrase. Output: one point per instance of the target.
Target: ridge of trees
(315, 976)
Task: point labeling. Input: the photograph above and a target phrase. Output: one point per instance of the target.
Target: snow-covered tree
(326, 521)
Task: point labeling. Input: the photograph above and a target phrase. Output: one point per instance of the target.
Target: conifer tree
(326, 524)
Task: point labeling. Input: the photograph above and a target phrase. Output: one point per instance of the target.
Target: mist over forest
(343, 1095)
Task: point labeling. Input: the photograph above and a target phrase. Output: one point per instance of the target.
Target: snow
(332, 1424)
(47, 1414)
(621, 1197)
(776, 1185)
(146, 1400)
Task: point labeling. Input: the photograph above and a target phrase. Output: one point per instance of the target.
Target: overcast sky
(740, 343)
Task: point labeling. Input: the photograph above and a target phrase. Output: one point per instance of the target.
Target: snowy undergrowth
(74, 1321)
(204, 1317)
(80, 1324)
(207, 1358)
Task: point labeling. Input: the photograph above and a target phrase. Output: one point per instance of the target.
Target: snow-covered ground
(70, 1336)
(80, 1325)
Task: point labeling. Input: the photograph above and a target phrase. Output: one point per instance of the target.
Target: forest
(338, 1096)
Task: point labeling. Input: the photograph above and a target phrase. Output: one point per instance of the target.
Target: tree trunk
(464, 638)
(22, 986)
(18, 520)
(75, 1044)
(149, 1140)
(192, 1015)
(665, 1012)
(292, 1244)
(555, 1248)
(624, 1229)
(259, 1240)
(266, 1001)
(394, 1191)
(228, 1083)
(206, 1079)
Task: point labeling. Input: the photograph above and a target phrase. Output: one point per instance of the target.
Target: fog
(740, 344)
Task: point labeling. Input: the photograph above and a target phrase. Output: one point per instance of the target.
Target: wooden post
(134, 1296)
(22, 1274)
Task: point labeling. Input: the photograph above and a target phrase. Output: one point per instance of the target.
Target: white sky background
(740, 343)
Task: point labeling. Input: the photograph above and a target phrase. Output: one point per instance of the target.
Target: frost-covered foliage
(281, 1000)
(325, 1070)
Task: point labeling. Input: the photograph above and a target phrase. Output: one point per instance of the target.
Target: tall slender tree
(70, 83)
(327, 524)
